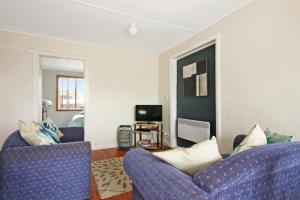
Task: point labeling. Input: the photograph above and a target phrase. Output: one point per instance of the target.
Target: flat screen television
(148, 113)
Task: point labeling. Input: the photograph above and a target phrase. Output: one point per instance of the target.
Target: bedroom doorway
(62, 90)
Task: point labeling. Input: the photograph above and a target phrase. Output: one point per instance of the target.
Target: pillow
(255, 138)
(273, 137)
(193, 159)
(51, 129)
(31, 133)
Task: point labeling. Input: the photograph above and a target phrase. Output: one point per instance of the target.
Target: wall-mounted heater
(193, 130)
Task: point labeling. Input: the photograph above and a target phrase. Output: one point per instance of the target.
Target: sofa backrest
(269, 167)
(14, 140)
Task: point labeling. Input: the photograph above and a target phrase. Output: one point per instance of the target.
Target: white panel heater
(193, 130)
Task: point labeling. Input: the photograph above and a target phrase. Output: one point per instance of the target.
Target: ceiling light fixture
(132, 30)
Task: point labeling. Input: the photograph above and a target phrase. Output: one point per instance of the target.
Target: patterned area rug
(110, 177)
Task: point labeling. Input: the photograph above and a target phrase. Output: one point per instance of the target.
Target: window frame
(57, 82)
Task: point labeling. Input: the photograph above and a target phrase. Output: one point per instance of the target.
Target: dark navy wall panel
(197, 108)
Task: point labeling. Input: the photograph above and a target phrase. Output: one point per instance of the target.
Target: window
(69, 93)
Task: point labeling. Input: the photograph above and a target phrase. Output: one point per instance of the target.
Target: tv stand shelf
(143, 129)
(154, 128)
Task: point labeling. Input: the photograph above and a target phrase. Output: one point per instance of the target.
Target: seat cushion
(14, 140)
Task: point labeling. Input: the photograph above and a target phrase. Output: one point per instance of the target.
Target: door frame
(37, 81)
(214, 40)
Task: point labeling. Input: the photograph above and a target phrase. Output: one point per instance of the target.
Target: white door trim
(37, 73)
(173, 85)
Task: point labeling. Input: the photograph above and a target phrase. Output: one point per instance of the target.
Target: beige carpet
(110, 177)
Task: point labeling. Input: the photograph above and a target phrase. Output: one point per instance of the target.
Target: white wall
(260, 47)
(60, 118)
(118, 80)
(16, 95)
(260, 67)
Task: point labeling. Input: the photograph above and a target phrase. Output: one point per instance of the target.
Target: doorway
(62, 85)
(172, 93)
(196, 91)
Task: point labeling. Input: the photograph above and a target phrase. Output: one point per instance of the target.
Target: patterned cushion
(32, 133)
(51, 129)
(273, 137)
(50, 133)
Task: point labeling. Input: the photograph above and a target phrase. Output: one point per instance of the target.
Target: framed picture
(195, 79)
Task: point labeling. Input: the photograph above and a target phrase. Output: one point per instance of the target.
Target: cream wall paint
(16, 94)
(60, 118)
(259, 69)
(118, 80)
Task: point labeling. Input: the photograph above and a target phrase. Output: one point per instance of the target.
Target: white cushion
(31, 133)
(256, 137)
(193, 159)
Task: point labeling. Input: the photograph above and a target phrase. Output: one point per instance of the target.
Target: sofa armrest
(155, 179)
(59, 171)
(72, 134)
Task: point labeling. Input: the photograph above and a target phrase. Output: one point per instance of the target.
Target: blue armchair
(46, 172)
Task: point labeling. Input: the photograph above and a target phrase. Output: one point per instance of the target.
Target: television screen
(148, 113)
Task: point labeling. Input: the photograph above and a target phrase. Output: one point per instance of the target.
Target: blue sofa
(262, 173)
(46, 172)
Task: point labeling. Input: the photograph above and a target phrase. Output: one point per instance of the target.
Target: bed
(77, 120)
